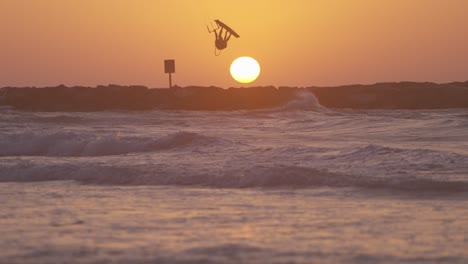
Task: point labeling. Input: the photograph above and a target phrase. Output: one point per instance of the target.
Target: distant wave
(62, 119)
(275, 176)
(407, 159)
(69, 144)
(404, 95)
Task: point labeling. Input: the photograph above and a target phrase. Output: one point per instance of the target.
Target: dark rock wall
(404, 95)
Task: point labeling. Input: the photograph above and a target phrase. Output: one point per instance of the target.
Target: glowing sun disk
(245, 69)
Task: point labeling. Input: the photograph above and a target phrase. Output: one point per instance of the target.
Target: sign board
(169, 66)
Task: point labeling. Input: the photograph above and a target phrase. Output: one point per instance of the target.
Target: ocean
(299, 183)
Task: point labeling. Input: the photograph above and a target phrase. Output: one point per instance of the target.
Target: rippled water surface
(300, 184)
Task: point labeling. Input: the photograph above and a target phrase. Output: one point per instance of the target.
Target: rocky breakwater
(403, 95)
(115, 97)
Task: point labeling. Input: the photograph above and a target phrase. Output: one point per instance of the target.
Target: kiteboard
(226, 27)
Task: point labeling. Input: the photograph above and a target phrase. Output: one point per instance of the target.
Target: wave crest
(70, 144)
(306, 101)
(276, 176)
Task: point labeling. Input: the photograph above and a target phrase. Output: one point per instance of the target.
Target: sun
(245, 69)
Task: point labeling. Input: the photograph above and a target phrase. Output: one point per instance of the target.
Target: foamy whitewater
(296, 184)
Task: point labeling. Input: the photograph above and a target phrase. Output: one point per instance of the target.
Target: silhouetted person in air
(222, 36)
(221, 41)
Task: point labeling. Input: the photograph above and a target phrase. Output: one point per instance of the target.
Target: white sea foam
(306, 101)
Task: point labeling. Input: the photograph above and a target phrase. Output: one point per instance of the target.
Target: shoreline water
(69, 222)
(299, 183)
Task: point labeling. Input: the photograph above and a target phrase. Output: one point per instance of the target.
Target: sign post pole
(170, 80)
(169, 67)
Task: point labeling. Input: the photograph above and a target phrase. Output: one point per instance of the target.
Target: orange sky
(297, 42)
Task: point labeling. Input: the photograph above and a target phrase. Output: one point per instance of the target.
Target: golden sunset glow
(299, 42)
(245, 69)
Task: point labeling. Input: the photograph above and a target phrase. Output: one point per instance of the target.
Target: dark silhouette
(404, 95)
(221, 42)
(221, 39)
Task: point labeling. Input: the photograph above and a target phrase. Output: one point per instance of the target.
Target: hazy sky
(296, 42)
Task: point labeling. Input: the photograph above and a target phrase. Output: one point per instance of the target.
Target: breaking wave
(304, 101)
(276, 176)
(70, 144)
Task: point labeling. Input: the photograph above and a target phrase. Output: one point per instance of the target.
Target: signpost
(169, 67)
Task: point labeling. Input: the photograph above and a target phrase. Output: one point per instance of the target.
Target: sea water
(296, 184)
